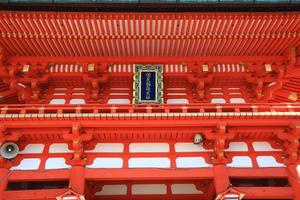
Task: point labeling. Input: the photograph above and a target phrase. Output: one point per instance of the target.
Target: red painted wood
(294, 177)
(77, 179)
(216, 34)
(45, 40)
(151, 59)
(221, 178)
(42, 175)
(143, 174)
(4, 173)
(49, 194)
(267, 192)
(258, 173)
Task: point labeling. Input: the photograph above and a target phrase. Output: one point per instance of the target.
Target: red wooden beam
(148, 174)
(257, 173)
(294, 178)
(250, 193)
(48, 194)
(149, 197)
(148, 59)
(77, 179)
(95, 174)
(172, 122)
(4, 173)
(221, 178)
(44, 175)
(266, 192)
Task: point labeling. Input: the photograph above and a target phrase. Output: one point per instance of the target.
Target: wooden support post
(294, 179)
(221, 178)
(77, 179)
(3, 181)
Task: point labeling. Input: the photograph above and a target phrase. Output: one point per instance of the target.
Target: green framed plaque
(148, 84)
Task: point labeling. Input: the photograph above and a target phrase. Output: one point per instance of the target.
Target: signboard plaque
(148, 84)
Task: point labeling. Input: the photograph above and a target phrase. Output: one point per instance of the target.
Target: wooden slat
(77, 34)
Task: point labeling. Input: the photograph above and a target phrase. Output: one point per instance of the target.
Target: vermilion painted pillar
(221, 178)
(77, 179)
(294, 179)
(3, 181)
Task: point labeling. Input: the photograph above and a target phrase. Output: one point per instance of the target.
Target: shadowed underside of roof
(145, 34)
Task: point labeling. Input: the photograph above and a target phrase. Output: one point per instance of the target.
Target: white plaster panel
(57, 101)
(268, 161)
(112, 190)
(56, 163)
(191, 162)
(108, 148)
(28, 164)
(237, 100)
(218, 100)
(177, 101)
(148, 147)
(59, 148)
(185, 189)
(189, 147)
(118, 101)
(240, 161)
(138, 189)
(77, 101)
(33, 149)
(237, 146)
(106, 163)
(149, 163)
(263, 146)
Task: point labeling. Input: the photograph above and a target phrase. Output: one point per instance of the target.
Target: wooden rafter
(122, 34)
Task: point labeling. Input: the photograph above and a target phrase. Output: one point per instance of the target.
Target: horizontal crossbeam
(148, 59)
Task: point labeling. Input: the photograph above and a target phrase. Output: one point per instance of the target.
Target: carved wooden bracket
(220, 136)
(291, 145)
(77, 137)
(26, 80)
(199, 77)
(97, 77)
(266, 80)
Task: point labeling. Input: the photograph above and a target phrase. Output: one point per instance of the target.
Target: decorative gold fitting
(268, 68)
(205, 68)
(26, 68)
(293, 96)
(91, 67)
